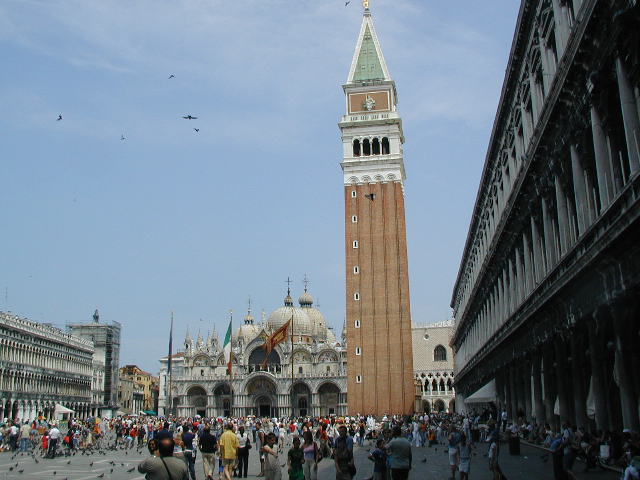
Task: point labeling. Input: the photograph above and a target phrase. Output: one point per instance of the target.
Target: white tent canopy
(485, 394)
(61, 409)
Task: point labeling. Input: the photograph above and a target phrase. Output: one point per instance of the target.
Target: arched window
(439, 354)
(385, 146)
(366, 147)
(376, 146)
(356, 148)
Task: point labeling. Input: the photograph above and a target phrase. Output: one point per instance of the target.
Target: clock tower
(378, 317)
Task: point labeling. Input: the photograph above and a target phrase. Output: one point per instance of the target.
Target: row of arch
(28, 410)
(39, 356)
(24, 381)
(375, 146)
(439, 405)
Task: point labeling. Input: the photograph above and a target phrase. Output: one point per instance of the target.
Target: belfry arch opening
(385, 146)
(375, 146)
(356, 148)
(366, 147)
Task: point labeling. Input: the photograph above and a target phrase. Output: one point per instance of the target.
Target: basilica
(311, 381)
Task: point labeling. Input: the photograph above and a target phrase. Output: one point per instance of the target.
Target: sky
(174, 220)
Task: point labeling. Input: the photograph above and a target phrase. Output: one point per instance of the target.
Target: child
(379, 459)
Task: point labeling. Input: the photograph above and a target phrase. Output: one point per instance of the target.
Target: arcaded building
(546, 300)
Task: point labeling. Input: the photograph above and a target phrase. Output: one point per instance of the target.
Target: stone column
(564, 388)
(580, 190)
(521, 281)
(603, 170)
(512, 394)
(528, 410)
(548, 372)
(577, 374)
(562, 27)
(538, 261)
(623, 334)
(528, 270)
(538, 402)
(629, 117)
(563, 215)
(549, 240)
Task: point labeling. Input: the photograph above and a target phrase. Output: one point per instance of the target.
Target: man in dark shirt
(208, 447)
(189, 452)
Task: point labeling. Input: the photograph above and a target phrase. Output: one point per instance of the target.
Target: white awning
(62, 409)
(485, 394)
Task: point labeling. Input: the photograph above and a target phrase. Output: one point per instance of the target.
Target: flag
(170, 345)
(274, 339)
(227, 347)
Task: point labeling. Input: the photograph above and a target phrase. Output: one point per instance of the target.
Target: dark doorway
(202, 413)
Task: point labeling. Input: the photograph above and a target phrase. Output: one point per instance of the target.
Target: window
(328, 368)
(375, 146)
(356, 296)
(356, 148)
(354, 219)
(366, 147)
(439, 354)
(355, 244)
(356, 270)
(358, 351)
(354, 194)
(358, 378)
(357, 323)
(299, 369)
(385, 146)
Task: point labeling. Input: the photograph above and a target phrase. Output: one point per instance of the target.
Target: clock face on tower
(369, 103)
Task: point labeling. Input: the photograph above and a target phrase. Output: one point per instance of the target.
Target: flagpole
(170, 369)
(292, 401)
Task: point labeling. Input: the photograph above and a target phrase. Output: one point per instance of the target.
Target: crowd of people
(295, 447)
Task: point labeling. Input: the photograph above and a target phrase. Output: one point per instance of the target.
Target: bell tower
(378, 317)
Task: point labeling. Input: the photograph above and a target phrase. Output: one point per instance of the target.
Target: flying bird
(122, 137)
(189, 117)
(59, 118)
(172, 76)
(347, 3)
(197, 129)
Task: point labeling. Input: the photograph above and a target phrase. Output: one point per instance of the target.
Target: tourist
(188, 451)
(25, 431)
(379, 458)
(244, 445)
(295, 460)
(271, 463)
(229, 451)
(311, 456)
(464, 453)
(14, 432)
(399, 452)
(632, 472)
(259, 444)
(163, 465)
(568, 450)
(504, 418)
(494, 450)
(208, 446)
(54, 438)
(454, 457)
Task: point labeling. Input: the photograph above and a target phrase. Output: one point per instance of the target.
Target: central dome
(302, 325)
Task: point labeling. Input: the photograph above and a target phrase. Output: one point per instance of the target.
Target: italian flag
(227, 348)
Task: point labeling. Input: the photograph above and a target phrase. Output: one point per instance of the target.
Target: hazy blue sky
(170, 219)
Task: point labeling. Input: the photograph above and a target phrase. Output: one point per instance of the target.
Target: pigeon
(101, 475)
(346, 4)
(197, 129)
(11, 469)
(59, 118)
(131, 470)
(69, 462)
(122, 137)
(20, 471)
(189, 117)
(111, 471)
(172, 76)
(55, 473)
(91, 464)
(424, 460)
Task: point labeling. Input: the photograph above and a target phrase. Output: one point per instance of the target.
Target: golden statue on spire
(366, 4)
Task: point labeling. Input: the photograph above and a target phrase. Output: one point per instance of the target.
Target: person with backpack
(163, 465)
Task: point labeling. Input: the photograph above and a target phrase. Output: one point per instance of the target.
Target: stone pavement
(114, 465)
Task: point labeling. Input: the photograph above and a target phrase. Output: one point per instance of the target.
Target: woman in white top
(464, 450)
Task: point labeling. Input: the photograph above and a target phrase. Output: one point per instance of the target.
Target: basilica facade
(306, 375)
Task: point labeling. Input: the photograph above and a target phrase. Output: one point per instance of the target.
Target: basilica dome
(301, 323)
